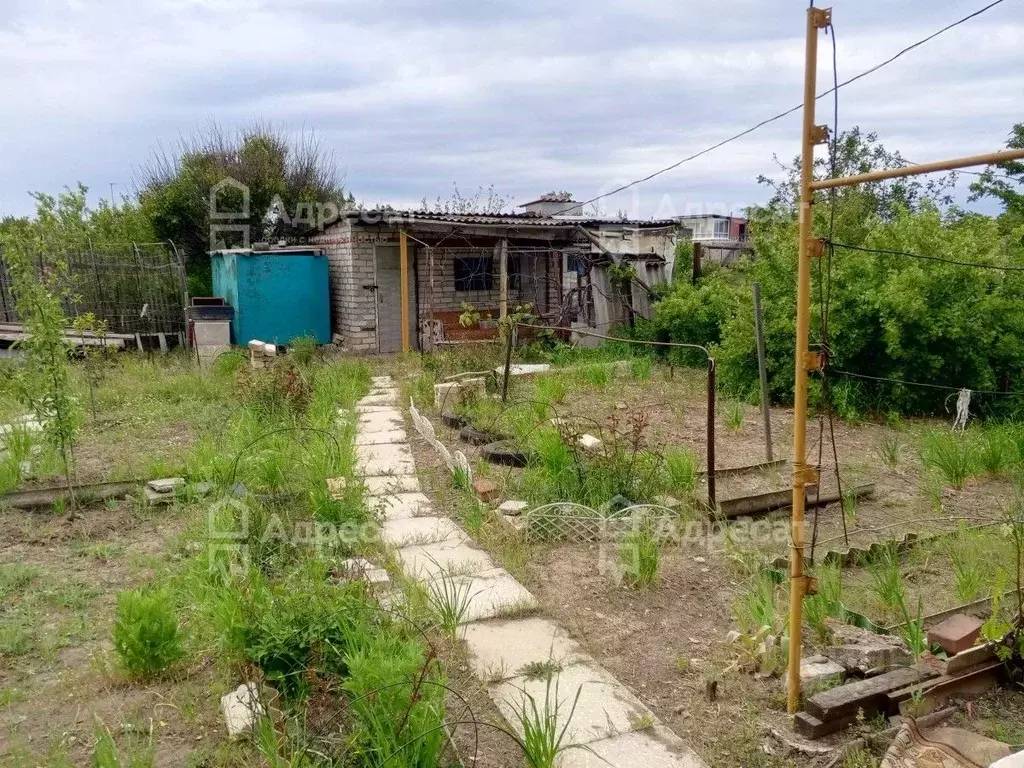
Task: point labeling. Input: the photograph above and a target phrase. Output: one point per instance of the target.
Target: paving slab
(427, 561)
(381, 381)
(654, 747)
(499, 649)
(386, 485)
(404, 531)
(384, 460)
(493, 593)
(605, 708)
(380, 397)
(380, 437)
(377, 421)
(401, 506)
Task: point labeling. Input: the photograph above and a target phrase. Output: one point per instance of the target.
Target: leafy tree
(1005, 182)
(293, 186)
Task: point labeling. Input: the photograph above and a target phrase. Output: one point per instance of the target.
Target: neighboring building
(723, 238)
(556, 261)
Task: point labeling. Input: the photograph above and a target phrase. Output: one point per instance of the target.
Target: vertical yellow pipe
(803, 310)
(403, 246)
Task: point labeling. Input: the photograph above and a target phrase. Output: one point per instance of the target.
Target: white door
(389, 299)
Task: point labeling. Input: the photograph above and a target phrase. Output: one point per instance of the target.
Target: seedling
(890, 450)
(734, 415)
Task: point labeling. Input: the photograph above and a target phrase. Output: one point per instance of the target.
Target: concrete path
(509, 650)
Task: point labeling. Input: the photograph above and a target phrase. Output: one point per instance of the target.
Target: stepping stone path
(508, 650)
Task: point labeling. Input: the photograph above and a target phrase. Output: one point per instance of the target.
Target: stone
(447, 395)
(398, 506)
(862, 651)
(516, 523)
(381, 437)
(499, 649)
(653, 747)
(620, 406)
(513, 507)
(336, 487)
(492, 593)
(590, 443)
(816, 673)
(242, 708)
(384, 460)
(955, 634)
(385, 485)
(605, 708)
(1016, 760)
(427, 561)
(166, 485)
(522, 369)
(485, 489)
(401, 532)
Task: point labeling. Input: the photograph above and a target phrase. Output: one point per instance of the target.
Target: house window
(474, 273)
(722, 228)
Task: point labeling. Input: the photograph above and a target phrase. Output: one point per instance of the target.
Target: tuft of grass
(680, 469)
(640, 555)
(540, 670)
(14, 577)
(596, 375)
(967, 571)
(889, 450)
(304, 350)
(641, 368)
(543, 739)
(449, 598)
(886, 582)
(550, 389)
(827, 602)
(754, 606)
(734, 415)
(849, 503)
(146, 636)
(952, 454)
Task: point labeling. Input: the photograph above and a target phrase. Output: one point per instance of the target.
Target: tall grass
(544, 726)
(640, 554)
(886, 581)
(955, 455)
(828, 600)
(754, 605)
(680, 469)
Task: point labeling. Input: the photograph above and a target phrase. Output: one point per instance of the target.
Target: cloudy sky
(529, 96)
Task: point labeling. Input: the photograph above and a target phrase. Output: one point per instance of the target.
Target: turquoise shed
(278, 294)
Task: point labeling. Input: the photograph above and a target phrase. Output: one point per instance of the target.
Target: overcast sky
(528, 96)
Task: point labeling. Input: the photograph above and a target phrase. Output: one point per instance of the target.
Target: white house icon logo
(216, 195)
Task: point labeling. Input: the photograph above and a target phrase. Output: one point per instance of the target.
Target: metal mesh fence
(134, 287)
(576, 523)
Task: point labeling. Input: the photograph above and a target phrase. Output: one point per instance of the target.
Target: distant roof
(528, 219)
(551, 197)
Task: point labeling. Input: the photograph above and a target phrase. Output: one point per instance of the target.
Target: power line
(944, 387)
(788, 112)
(925, 257)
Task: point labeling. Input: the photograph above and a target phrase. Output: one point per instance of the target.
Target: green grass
(952, 454)
(680, 469)
(890, 450)
(544, 725)
(733, 414)
(827, 602)
(640, 555)
(886, 582)
(754, 605)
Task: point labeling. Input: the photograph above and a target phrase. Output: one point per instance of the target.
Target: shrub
(146, 635)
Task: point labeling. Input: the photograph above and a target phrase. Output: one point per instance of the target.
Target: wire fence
(133, 287)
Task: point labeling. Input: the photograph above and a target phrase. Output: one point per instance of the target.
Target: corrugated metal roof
(501, 219)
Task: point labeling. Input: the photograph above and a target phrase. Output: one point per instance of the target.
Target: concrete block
(401, 532)
(381, 437)
(493, 593)
(374, 460)
(513, 507)
(447, 395)
(385, 485)
(166, 485)
(817, 672)
(860, 650)
(957, 633)
(379, 421)
(427, 561)
(401, 506)
(654, 747)
(499, 649)
(241, 709)
(485, 489)
(605, 708)
(523, 369)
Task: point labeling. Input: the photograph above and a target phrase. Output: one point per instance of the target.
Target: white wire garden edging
(456, 461)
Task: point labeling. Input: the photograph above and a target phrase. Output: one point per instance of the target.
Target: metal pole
(502, 248)
(991, 158)
(510, 335)
(711, 434)
(817, 18)
(762, 372)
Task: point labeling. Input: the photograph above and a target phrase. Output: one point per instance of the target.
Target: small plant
(995, 627)
(828, 600)
(890, 449)
(683, 665)
(680, 469)
(596, 375)
(734, 415)
(642, 723)
(952, 454)
(303, 350)
(540, 670)
(641, 368)
(886, 582)
(849, 503)
(550, 389)
(754, 607)
(641, 556)
(996, 452)
(450, 598)
(146, 636)
(967, 571)
(543, 735)
(912, 629)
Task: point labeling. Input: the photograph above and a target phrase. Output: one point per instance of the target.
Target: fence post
(762, 372)
(711, 433)
(510, 334)
(696, 262)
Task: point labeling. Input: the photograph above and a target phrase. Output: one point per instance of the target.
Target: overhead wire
(786, 113)
(925, 257)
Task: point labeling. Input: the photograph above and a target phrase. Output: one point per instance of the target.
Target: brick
(957, 633)
(485, 489)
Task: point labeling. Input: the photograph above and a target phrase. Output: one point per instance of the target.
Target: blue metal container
(278, 295)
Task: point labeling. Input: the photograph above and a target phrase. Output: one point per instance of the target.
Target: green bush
(146, 635)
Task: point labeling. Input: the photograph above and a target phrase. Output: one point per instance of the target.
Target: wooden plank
(810, 727)
(975, 679)
(726, 471)
(979, 654)
(774, 500)
(868, 694)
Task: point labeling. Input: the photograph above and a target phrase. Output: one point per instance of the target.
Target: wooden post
(403, 245)
(696, 263)
(510, 335)
(502, 248)
(762, 372)
(711, 434)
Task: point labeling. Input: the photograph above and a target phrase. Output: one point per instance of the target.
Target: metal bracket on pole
(816, 247)
(805, 474)
(813, 361)
(819, 134)
(821, 17)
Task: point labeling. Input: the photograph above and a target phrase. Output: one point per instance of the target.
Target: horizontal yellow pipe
(915, 170)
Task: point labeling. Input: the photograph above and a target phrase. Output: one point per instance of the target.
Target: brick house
(457, 264)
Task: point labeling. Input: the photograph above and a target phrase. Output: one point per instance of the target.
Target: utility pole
(817, 19)
(113, 205)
